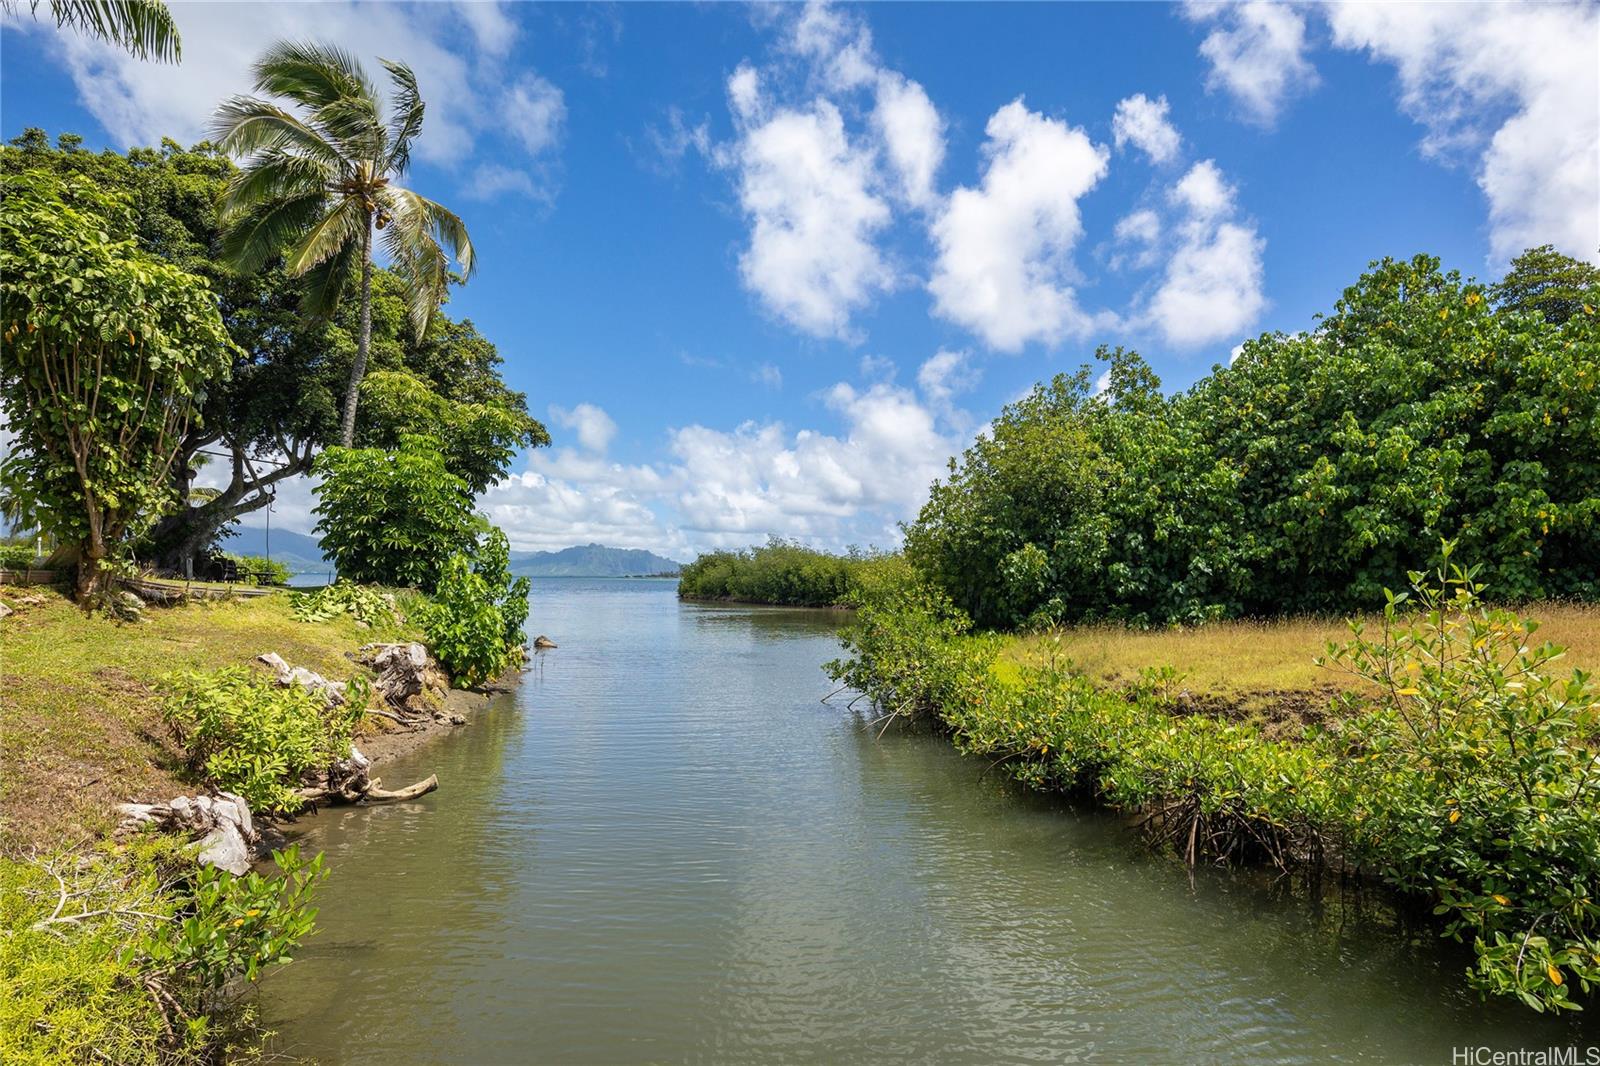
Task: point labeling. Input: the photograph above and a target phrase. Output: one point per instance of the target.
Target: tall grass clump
(1464, 775)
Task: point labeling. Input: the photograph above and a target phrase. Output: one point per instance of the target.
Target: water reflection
(666, 848)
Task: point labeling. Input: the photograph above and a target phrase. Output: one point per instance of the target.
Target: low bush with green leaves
(248, 735)
(1468, 782)
(473, 622)
(132, 954)
(365, 604)
(16, 556)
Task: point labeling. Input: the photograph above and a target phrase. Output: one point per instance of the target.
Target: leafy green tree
(108, 354)
(144, 27)
(280, 406)
(315, 184)
(1316, 471)
(393, 517)
(1543, 280)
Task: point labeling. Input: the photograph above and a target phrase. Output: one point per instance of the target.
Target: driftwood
(286, 675)
(409, 679)
(346, 781)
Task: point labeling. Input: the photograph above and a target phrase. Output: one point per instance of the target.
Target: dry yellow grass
(80, 721)
(1257, 667)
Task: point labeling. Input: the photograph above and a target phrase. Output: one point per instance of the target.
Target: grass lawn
(80, 722)
(1262, 671)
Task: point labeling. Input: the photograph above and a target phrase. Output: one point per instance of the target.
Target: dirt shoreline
(391, 742)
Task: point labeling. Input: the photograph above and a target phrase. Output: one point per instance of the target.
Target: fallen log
(370, 794)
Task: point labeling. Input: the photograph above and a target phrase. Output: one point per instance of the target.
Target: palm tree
(314, 184)
(144, 27)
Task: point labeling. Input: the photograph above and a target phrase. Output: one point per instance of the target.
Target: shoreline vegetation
(117, 942)
(785, 573)
(1074, 604)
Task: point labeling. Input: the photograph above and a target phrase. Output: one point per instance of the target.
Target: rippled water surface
(664, 847)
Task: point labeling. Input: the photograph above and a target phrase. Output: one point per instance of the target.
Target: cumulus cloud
(720, 487)
(1213, 284)
(767, 374)
(818, 185)
(457, 51)
(1004, 248)
(1515, 87)
(1142, 122)
(1256, 52)
(913, 136)
(808, 195)
(593, 426)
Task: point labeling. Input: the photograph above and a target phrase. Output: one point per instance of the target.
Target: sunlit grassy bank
(1259, 671)
(81, 727)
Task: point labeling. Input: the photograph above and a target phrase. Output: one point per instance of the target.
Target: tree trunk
(347, 429)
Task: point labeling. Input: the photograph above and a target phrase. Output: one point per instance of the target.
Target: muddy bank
(388, 741)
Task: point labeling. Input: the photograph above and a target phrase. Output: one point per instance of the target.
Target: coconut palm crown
(317, 179)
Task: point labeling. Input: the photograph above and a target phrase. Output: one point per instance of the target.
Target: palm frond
(426, 274)
(324, 283)
(337, 229)
(420, 215)
(275, 175)
(257, 232)
(312, 74)
(407, 120)
(144, 27)
(352, 122)
(244, 125)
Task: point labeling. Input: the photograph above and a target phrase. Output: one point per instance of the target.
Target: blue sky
(764, 268)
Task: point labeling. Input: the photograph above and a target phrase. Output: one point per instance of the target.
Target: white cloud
(1004, 266)
(808, 194)
(913, 136)
(1256, 52)
(534, 111)
(595, 428)
(1213, 283)
(735, 487)
(767, 374)
(817, 182)
(676, 140)
(490, 180)
(1142, 122)
(456, 50)
(946, 375)
(1518, 87)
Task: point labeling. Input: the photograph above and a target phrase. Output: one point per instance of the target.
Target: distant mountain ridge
(592, 560)
(297, 551)
(301, 552)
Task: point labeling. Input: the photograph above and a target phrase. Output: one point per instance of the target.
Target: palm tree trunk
(347, 429)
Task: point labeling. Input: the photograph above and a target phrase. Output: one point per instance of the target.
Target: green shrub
(259, 570)
(16, 556)
(126, 954)
(1307, 476)
(1468, 783)
(392, 517)
(364, 604)
(248, 735)
(473, 623)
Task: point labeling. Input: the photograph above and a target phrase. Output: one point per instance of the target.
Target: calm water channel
(664, 848)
